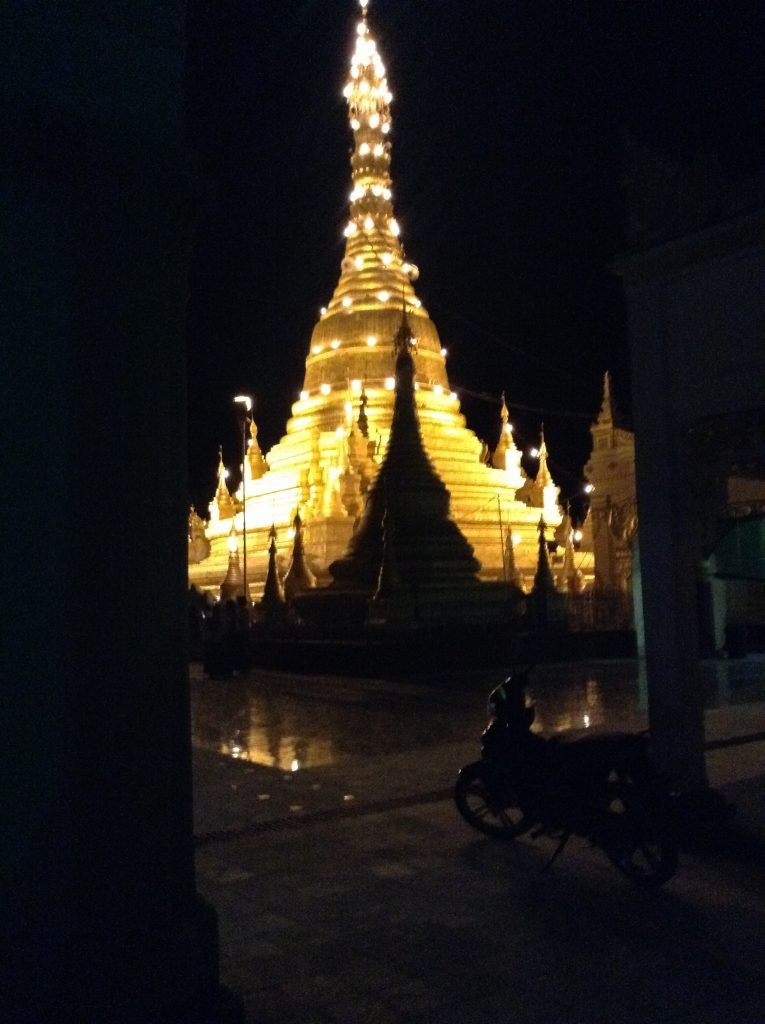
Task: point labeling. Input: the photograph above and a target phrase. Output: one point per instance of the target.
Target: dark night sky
(508, 128)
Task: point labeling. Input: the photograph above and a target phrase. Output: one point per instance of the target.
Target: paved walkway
(354, 894)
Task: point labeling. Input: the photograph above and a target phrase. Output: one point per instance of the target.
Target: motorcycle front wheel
(484, 801)
(641, 846)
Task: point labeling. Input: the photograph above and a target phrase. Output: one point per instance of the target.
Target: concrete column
(668, 550)
(100, 917)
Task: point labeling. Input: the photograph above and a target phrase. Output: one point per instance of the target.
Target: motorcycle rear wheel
(642, 846)
(485, 802)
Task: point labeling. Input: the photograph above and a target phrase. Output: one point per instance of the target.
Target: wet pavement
(292, 722)
(349, 890)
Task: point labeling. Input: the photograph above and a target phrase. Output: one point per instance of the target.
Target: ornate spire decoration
(506, 456)
(255, 461)
(272, 602)
(545, 482)
(233, 582)
(545, 603)
(221, 507)
(543, 579)
(606, 414)
(298, 577)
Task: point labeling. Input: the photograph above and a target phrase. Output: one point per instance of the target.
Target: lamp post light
(246, 407)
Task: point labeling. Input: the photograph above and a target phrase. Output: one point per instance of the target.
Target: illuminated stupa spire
(351, 339)
(374, 270)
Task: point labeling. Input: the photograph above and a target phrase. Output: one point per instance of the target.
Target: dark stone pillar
(668, 555)
(100, 917)
(695, 318)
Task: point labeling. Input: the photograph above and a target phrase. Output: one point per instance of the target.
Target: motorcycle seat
(599, 751)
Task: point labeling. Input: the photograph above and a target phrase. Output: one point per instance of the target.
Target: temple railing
(598, 612)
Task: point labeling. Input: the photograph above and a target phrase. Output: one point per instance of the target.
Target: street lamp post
(246, 402)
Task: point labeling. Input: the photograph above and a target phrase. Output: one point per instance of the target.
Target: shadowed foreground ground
(354, 893)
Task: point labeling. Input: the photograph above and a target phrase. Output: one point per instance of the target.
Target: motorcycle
(602, 787)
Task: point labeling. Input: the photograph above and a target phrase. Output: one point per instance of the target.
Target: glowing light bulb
(350, 229)
(387, 193)
(388, 96)
(364, 148)
(588, 488)
(516, 538)
(325, 389)
(335, 343)
(454, 396)
(393, 227)
(383, 295)
(509, 429)
(387, 258)
(323, 311)
(416, 303)
(356, 386)
(359, 262)
(348, 409)
(355, 124)
(577, 536)
(379, 148)
(347, 301)
(339, 432)
(371, 341)
(303, 396)
(385, 128)
(390, 383)
(405, 267)
(347, 90)
(534, 453)
(368, 223)
(376, 189)
(374, 120)
(231, 543)
(438, 389)
(316, 349)
(226, 474)
(361, 28)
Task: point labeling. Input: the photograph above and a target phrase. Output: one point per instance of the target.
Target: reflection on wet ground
(292, 722)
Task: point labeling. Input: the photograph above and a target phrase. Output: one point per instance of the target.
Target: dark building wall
(100, 920)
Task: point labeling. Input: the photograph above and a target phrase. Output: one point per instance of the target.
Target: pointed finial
(606, 413)
(298, 577)
(272, 602)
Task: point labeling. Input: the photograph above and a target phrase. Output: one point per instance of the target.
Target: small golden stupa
(338, 432)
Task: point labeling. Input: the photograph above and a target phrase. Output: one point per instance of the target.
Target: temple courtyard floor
(349, 890)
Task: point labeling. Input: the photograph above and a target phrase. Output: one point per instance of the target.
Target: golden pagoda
(336, 437)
